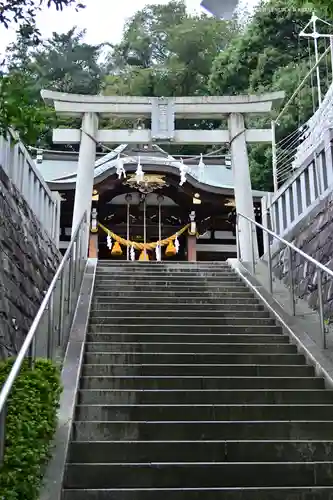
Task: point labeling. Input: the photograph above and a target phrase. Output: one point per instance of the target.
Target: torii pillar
(163, 112)
(242, 186)
(85, 171)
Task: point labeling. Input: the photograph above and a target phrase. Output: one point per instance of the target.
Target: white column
(242, 183)
(85, 171)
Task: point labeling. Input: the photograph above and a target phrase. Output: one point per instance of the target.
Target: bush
(30, 425)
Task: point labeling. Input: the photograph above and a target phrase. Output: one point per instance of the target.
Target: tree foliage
(67, 64)
(20, 106)
(64, 63)
(31, 420)
(23, 12)
(268, 56)
(164, 51)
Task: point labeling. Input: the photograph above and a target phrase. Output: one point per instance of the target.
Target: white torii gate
(163, 112)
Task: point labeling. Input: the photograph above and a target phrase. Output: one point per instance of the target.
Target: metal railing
(308, 185)
(294, 255)
(17, 163)
(49, 332)
(285, 154)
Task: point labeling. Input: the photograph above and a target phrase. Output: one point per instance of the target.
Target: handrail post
(253, 261)
(70, 282)
(274, 158)
(292, 285)
(321, 308)
(32, 352)
(50, 328)
(3, 415)
(270, 267)
(237, 239)
(61, 310)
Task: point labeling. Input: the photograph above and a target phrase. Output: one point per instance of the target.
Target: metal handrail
(292, 249)
(75, 259)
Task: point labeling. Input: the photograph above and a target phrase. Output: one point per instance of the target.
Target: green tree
(64, 63)
(268, 55)
(19, 106)
(67, 64)
(23, 12)
(166, 52)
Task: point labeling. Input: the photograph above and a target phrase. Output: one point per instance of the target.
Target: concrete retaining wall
(28, 260)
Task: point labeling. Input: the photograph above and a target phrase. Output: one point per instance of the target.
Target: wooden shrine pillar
(191, 248)
(93, 246)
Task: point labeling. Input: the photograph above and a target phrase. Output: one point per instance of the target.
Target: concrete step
(172, 301)
(192, 338)
(193, 278)
(277, 493)
(137, 312)
(200, 412)
(205, 396)
(147, 320)
(187, 430)
(118, 306)
(227, 326)
(193, 358)
(200, 348)
(194, 475)
(190, 451)
(167, 274)
(148, 285)
(149, 294)
(177, 383)
(236, 369)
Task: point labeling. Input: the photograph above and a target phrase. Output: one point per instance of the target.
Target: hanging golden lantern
(144, 255)
(170, 250)
(116, 249)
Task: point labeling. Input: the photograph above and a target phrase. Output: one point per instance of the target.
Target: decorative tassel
(109, 242)
(132, 254)
(183, 170)
(144, 255)
(120, 170)
(177, 244)
(116, 250)
(158, 253)
(171, 250)
(139, 174)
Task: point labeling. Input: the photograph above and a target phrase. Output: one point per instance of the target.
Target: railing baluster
(50, 328)
(270, 269)
(17, 163)
(3, 415)
(321, 308)
(61, 311)
(253, 260)
(291, 284)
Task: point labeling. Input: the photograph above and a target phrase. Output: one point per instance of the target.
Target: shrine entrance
(143, 215)
(161, 115)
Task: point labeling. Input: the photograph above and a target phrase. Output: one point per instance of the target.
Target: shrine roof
(60, 173)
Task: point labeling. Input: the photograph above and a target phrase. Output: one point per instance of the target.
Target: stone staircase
(189, 390)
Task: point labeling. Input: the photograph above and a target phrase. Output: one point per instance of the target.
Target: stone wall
(313, 235)
(28, 260)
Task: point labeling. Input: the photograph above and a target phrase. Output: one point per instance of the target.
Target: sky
(103, 19)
